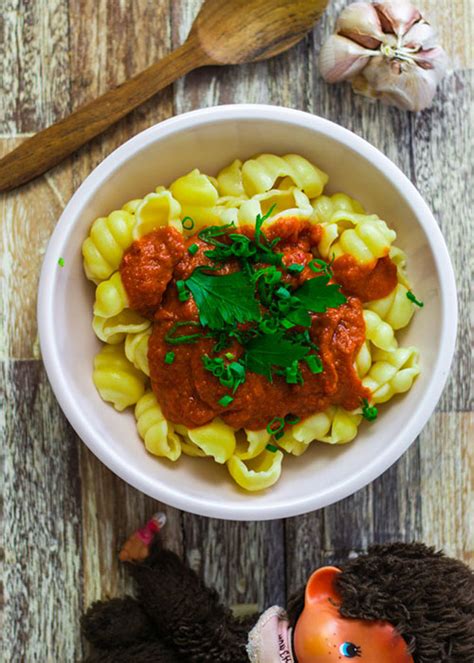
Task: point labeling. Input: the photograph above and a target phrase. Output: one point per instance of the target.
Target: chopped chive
(295, 268)
(283, 293)
(293, 374)
(322, 266)
(413, 299)
(287, 324)
(225, 400)
(229, 355)
(369, 412)
(279, 435)
(292, 419)
(276, 425)
(183, 292)
(61, 262)
(272, 448)
(185, 338)
(169, 357)
(193, 249)
(187, 223)
(315, 364)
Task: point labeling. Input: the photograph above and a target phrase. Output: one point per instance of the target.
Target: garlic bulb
(388, 51)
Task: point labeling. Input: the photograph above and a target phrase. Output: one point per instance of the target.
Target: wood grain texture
(41, 526)
(216, 37)
(65, 514)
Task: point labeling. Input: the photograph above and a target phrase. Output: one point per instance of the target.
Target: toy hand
(137, 547)
(134, 549)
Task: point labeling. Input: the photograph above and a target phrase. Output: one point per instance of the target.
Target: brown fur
(428, 597)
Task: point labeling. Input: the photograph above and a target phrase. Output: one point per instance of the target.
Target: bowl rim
(251, 510)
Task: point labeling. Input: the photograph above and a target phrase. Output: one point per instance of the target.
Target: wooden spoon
(224, 32)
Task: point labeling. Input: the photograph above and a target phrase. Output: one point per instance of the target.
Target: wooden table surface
(65, 514)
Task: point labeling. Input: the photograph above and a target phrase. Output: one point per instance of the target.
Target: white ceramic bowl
(209, 139)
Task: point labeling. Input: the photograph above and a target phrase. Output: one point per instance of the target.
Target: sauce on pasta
(187, 392)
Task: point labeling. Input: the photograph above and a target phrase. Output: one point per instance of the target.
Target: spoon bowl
(251, 30)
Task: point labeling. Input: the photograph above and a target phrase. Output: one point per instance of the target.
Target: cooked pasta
(136, 349)
(158, 435)
(258, 473)
(282, 190)
(154, 211)
(110, 297)
(113, 330)
(104, 248)
(116, 379)
(395, 309)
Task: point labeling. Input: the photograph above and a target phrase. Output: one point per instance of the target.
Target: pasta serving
(248, 315)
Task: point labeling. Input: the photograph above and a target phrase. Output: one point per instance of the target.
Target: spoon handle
(50, 146)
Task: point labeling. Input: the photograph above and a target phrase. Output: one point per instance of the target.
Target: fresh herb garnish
(256, 307)
(225, 400)
(264, 352)
(61, 262)
(229, 375)
(272, 448)
(183, 292)
(317, 295)
(223, 300)
(187, 223)
(369, 412)
(315, 364)
(322, 267)
(295, 268)
(275, 426)
(413, 299)
(172, 339)
(169, 357)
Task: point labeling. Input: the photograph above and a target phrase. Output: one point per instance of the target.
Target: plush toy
(399, 603)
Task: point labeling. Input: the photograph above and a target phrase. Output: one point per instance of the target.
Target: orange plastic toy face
(323, 636)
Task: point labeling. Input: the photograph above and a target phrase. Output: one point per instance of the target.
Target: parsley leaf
(317, 296)
(266, 351)
(223, 300)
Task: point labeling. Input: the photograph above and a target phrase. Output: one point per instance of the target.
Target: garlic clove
(421, 36)
(400, 84)
(435, 59)
(397, 16)
(360, 22)
(341, 59)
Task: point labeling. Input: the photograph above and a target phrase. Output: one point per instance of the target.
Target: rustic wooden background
(65, 514)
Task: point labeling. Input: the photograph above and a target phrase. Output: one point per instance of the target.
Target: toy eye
(350, 650)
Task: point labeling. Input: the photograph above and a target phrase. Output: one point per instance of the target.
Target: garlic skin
(388, 51)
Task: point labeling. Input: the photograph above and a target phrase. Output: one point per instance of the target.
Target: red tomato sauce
(367, 281)
(187, 392)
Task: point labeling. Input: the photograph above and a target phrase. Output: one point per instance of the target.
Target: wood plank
(41, 520)
(26, 222)
(110, 42)
(447, 484)
(243, 561)
(454, 21)
(441, 144)
(34, 56)
(111, 511)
